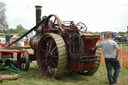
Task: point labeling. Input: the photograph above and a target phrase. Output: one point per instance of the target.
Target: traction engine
(61, 46)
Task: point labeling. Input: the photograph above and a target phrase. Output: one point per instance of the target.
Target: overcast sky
(98, 15)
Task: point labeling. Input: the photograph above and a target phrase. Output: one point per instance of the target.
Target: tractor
(61, 46)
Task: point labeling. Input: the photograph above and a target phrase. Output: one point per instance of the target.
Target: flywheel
(52, 55)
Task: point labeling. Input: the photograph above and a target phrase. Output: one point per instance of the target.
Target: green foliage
(12, 31)
(123, 47)
(19, 29)
(121, 33)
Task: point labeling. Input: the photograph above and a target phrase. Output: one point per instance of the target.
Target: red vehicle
(62, 46)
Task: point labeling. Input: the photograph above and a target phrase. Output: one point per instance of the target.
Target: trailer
(13, 58)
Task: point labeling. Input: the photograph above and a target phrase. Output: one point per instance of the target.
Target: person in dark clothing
(110, 52)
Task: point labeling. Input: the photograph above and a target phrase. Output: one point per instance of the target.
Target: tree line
(19, 29)
(4, 25)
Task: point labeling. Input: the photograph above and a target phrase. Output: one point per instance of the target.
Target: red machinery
(60, 46)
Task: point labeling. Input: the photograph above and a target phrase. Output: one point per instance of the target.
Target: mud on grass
(33, 77)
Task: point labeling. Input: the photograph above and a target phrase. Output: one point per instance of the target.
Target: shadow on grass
(34, 74)
(70, 76)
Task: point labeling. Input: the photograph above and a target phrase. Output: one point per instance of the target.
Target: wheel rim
(49, 59)
(23, 61)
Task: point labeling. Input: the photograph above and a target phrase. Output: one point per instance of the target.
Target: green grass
(123, 47)
(33, 77)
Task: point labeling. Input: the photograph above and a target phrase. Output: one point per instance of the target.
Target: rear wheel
(91, 72)
(52, 55)
(23, 61)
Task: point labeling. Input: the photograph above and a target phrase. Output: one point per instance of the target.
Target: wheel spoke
(22, 65)
(47, 46)
(53, 62)
(46, 43)
(52, 70)
(54, 49)
(50, 44)
(50, 24)
(43, 62)
(43, 50)
(54, 22)
(46, 72)
(54, 56)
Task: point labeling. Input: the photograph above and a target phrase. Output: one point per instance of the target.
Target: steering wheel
(81, 27)
(52, 22)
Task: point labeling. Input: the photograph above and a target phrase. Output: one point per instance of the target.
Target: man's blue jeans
(112, 63)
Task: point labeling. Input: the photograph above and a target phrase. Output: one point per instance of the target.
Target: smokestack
(38, 14)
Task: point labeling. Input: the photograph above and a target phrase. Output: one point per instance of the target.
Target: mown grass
(123, 47)
(33, 77)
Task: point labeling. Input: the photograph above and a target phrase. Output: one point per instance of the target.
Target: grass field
(123, 47)
(33, 77)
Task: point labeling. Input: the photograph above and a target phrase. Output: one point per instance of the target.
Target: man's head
(108, 35)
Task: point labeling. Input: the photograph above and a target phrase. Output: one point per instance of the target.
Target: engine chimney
(38, 14)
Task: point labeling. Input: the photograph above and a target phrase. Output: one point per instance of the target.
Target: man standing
(110, 52)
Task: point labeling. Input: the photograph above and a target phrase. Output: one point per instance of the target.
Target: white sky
(98, 15)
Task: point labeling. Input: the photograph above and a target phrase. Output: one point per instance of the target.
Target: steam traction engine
(60, 46)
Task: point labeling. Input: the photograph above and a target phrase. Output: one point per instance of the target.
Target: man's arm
(97, 46)
(117, 52)
(117, 49)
